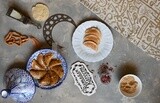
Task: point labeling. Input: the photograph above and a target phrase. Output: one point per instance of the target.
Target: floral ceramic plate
(56, 56)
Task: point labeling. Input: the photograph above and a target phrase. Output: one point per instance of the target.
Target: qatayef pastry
(45, 80)
(58, 70)
(54, 62)
(92, 38)
(37, 74)
(40, 60)
(36, 65)
(54, 78)
(47, 58)
(46, 69)
(91, 44)
(94, 31)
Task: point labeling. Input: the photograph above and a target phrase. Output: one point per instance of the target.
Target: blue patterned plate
(56, 55)
(19, 85)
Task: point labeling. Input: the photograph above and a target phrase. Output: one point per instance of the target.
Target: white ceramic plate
(86, 53)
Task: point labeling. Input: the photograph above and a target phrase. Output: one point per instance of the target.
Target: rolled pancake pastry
(92, 38)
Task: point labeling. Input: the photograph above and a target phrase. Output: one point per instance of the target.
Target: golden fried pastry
(37, 74)
(92, 38)
(40, 60)
(36, 65)
(58, 70)
(45, 80)
(91, 45)
(47, 58)
(97, 37)
(54, 62)
(54, 78)
(93, 30)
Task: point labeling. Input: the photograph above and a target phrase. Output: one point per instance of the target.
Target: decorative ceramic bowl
(19, 85)
(56, 55)
(138, 88)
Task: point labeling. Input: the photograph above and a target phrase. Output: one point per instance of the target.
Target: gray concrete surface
(125, 57)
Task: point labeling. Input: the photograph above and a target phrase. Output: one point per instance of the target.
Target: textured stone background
(125, 57)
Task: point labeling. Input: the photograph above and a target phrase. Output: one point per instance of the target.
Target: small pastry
(93, 30)
(36, 65)
(47, 58)
(37, 74)
(40, 60)
(91, 44)
(54, 62)
(58, 70)
(92, 38)
(45, 80)
(54, 78)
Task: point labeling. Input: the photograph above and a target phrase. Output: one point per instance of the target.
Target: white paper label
(83, 78)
